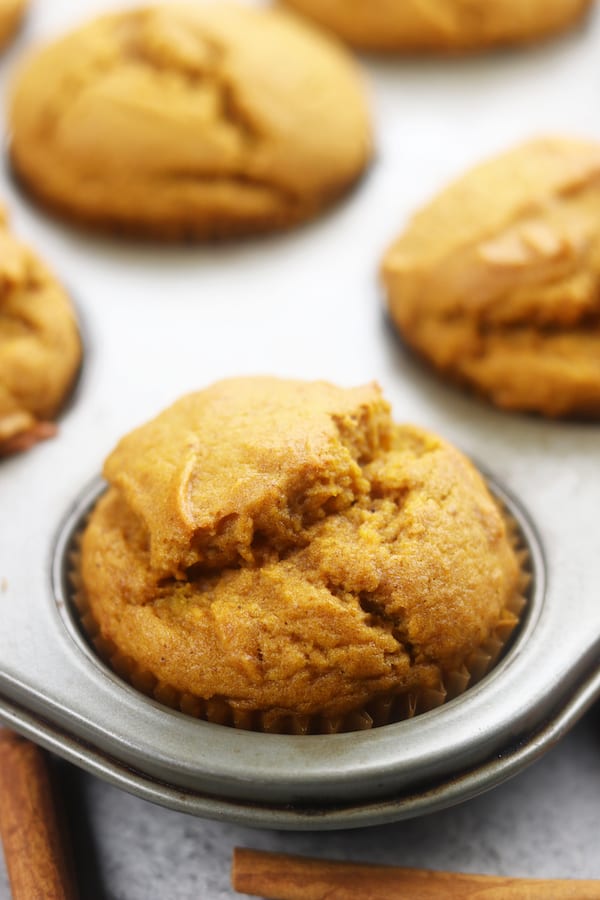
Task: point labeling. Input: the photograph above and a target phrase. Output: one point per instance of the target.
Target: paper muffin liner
(19, 431)
(381, 710)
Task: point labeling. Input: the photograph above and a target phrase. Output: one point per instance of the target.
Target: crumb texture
(286, 547)
(39, 345)
(204, 120)
(444, 25)
(497, 280)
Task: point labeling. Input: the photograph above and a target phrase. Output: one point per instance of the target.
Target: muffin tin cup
(382, 710)
(56, 689)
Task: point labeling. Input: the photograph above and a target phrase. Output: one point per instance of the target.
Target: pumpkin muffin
(201, 121)
(280, 555)
(40, 350)
(441, 25)
(11, 14)
(497, 281)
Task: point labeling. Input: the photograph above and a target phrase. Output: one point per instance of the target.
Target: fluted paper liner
(382, 710)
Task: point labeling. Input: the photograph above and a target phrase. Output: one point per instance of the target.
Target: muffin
(201, 121)
(281, 556)
(40, 350)
(441, 25)
(497, 281)
(11, 13)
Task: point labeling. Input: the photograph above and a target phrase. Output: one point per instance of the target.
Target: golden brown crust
(207, 120)
(284, 546)
(441, 25)
(40, 349)
(497, 281)
(11, 14)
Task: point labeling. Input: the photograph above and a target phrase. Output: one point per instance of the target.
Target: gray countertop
(544, 823)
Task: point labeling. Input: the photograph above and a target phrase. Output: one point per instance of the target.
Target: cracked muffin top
(497, 280)
(40, 349)
(444, 25)
(197, 121)
(284, 548)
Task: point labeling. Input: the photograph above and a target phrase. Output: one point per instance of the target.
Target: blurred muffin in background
(200, 121)
(40, 349)
(11, 15)
(281, 556)
(496, 282)
(441, 25)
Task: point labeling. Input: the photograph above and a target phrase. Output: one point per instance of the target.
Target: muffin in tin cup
(281, 556)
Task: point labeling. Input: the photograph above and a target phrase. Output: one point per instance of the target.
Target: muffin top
(497, 280)
(285, 547)
(204, 120)
(444, 25)
(40, 349)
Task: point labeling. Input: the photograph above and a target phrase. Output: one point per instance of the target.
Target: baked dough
(284, 548)
(207, 120)
(11, 14)
(40, 349)
(497, 281)
(445, 25)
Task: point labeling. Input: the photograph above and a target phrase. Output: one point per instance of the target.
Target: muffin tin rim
(448, 792)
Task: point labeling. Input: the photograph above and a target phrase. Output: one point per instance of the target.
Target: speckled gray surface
(544, 823)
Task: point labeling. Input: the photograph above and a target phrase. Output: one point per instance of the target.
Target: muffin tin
(54, 688)
(161, 321)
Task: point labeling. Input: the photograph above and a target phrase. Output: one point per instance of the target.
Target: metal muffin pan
(160, 321)
(53, 688)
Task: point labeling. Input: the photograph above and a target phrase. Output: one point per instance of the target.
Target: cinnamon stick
(276, 876)
(36, 860)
